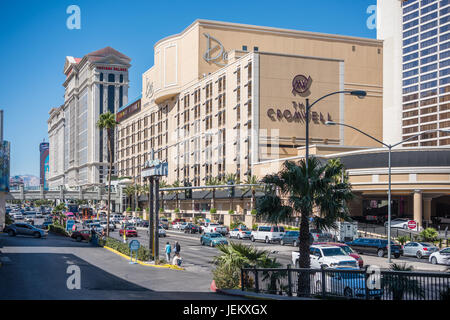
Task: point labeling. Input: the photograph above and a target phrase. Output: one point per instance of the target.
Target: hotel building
(416, 36)
(94, 84)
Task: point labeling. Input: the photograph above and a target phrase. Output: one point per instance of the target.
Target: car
(129, 231)
(212, 227)
(212, 239)
(350, 284)
(179, 225)
(24, 229)
(440, 257)
(419, 249)
(191, 228)
(79, 235)
(164, 222)
(45, 224)
(39, 215)
(112, 226)
(97, 227)
(326, 256)
(347, 249)
(268, 234)
(375, 246)
(29, 220)
(183, 225)
(321, 236)
(161, 231)
(400, 223)
(241, 232)
(290, 237)
(18, 216)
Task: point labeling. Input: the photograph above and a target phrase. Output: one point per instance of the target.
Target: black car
(375, 246)
(191, 228)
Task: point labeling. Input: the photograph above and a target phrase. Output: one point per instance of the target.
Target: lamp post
(389, 146)
(358, 93)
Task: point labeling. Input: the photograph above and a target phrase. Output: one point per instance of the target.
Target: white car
(112, 226)
(161, 231)
(400, 223)
(327, 256)
(18, 216)
(267, 234)
(441, 257)
(240, 233)
(179, 225)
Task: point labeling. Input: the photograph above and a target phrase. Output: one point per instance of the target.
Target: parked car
(290, 237)
(215, 227)
(440, 257)
(375, 246)
(161, 231)
(18, 216)
(29, 221)
(45, 224)
(164, 222)
(401, 223)
(347, 284)
(419, 249)
(352, 253)
(24, 229)
(326, 256)
(191, 228)
(268, 234)
(144, 224)
(321, 236)
(212, 239)
(178, 221)
(80, 235)
(112, 226)
(129, 231)
(179, 225)
(241, 232)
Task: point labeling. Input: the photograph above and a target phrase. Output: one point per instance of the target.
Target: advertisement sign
(4, 166)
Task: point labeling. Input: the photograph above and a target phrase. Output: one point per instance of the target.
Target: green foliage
(60, 208)
(403, 239)
(399, 284)
(236, 224)
(161, 210)
(58, 229)
(230, 211)
(429, 234)
(235, 256)
(254, 212)
(143, 252)
(138, 209)
(8, 220)
(254, 227)
(213, 210)
(129, 209)
(177, 210)
(197, 220)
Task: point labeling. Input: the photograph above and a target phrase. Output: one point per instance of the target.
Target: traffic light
(188, 192)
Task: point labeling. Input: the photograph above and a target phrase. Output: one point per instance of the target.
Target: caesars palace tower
(95, 84)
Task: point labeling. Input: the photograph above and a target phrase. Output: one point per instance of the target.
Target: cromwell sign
(298, 114)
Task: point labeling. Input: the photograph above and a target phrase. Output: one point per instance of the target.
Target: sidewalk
(258, 296)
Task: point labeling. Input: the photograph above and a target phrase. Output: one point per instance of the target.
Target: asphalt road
(199, 258)
(41, 268)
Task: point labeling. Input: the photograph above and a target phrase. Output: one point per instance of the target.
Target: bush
(143, 253)
(213, 210)
(254, 227)
(161, 210)
(177, 210)
(138, 209)
(403, 239)
(54, 228)
(129, 209)
(236, 224)
(8, 219)
(230, 211)
(254, 212)
(228, 278)
(429, 234)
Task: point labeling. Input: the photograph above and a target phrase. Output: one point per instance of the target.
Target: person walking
(168, 251)
(177, 247)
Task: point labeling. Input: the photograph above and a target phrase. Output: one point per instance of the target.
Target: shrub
(138, 209)
(253, 212)
(8, 219)
(143, 253)
(230, 211)
(254, 227)
(129, 209)
(403, 239)
(161, 210)
(236, 224)
(429, 234)
(213, 210)
(177, 210)
(54, 228)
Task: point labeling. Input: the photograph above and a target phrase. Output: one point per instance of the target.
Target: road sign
(412, 224)
(69, 225)
(134, 245)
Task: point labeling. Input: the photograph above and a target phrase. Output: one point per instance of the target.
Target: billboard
(43, 163)
(4, 166)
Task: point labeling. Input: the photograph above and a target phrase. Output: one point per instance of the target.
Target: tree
(213, 182)
(137, 192)
(129, 191)
(176, 184)
(300, 190)
(252, 180)
(231, 179)
(162, 184)
(107, 121)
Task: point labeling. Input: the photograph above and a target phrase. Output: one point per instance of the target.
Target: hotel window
(249, 70)
(238, 76)
(256, 49)
(121, 78)
(111, 77)
(249, 90)
(101, 76)
(244, 48)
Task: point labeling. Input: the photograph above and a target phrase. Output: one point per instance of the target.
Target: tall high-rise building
(44, 164)
(416, 78)
(95, 84)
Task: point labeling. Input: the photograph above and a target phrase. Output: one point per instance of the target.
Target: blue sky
(34, 42)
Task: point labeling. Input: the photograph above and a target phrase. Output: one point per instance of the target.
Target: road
(199, 258)
(38, 269)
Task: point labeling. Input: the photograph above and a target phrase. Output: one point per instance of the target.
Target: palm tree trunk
(253, 199)
(109, 182)
(304, 259)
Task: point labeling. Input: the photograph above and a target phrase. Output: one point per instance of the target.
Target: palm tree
(107, 121)
(300, 190)
(214, 182)
(137, 192)
(129, 191)
(400, 283)
(231, 179)
(251, 180)
(162, 184)
(176, 184)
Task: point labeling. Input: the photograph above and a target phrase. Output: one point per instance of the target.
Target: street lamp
(389, 146)
(358, 93)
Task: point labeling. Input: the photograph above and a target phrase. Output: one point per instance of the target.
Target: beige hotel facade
(230, 98)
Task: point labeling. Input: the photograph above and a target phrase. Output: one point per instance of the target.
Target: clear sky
(34, 41)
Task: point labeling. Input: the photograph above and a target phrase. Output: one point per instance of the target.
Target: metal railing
(347, 284)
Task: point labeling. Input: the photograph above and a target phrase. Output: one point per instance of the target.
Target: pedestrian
(168, 251)
(177, 260)
(177, 247)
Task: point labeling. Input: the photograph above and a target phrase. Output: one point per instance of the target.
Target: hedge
(143, 253)
(57, 229)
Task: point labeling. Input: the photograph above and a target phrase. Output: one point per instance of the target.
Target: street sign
(412, 224)
(134, 247)
(69, 225)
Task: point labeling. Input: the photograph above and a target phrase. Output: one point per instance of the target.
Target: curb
(165, 266)
(247, 295)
